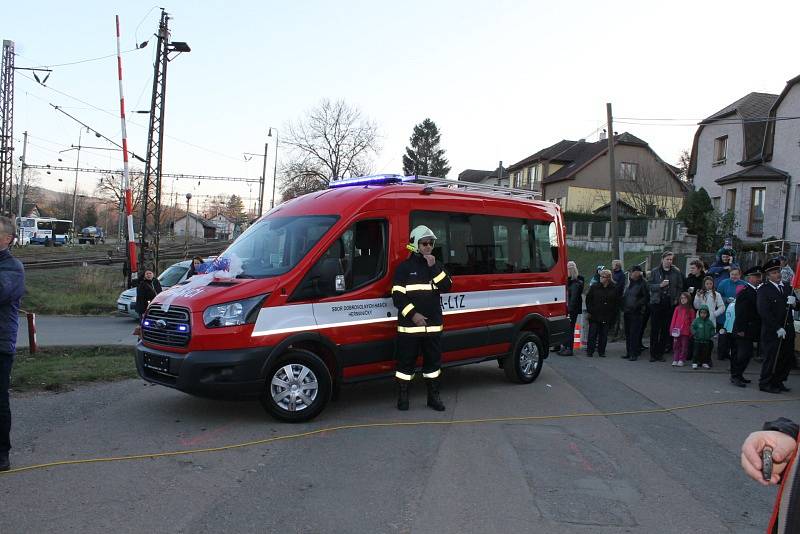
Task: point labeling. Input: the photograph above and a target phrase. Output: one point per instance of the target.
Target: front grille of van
(171, 328)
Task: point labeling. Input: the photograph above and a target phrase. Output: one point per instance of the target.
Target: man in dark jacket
(417, 284)
(665, 284)
(602, 304)
(721, 269)
(775, 302)
(12, 287)
(746, 327)
(634, 306)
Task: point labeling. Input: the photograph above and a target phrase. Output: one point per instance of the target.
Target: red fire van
(311, 308)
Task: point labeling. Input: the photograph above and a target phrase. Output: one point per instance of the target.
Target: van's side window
(480, 244)
(355, 259)
(545, 239)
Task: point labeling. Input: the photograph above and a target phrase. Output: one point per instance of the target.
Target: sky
(501, 79)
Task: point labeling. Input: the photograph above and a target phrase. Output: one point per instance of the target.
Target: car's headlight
(233, 313)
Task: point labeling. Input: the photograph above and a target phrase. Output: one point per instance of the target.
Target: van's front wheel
(524, 363)
(298, 387)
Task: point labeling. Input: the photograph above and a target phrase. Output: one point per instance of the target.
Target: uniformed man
(415, 291)
(746, 326)
(775, 302)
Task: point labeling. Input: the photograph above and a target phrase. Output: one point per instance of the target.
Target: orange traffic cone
(576, 337)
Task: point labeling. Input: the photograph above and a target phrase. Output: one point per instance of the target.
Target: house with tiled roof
(745, 156)
(575, 175)
(499, 176)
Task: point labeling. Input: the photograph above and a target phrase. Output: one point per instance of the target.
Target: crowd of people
(742, 314)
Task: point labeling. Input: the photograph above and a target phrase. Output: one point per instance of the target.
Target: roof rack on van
(387, 179)
(478, 188)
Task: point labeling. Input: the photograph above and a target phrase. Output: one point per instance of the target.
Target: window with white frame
(757, 200)
(628, 171)
(533, 174)
(720, 150)
(516, 179)
(730, 199)
(796, 212)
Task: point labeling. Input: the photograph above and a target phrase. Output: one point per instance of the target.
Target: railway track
(174, 252)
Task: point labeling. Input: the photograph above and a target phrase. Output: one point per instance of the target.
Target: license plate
(156, 363)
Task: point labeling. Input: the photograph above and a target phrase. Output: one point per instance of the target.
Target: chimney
(603, 135)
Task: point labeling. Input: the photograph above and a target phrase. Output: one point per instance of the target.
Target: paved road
(657, 473)
(75, 330)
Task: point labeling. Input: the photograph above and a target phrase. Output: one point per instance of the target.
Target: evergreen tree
(90, 216)
(234, 209)
(424, 157)
(700, 217)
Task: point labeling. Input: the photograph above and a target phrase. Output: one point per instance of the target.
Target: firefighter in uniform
(415, 291)
(746, 326)
(775, 301)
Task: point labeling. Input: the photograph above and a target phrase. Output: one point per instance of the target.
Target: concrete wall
(786, 157)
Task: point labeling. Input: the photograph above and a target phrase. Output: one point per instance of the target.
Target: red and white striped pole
(126, 184)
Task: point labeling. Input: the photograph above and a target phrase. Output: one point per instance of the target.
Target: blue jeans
(6, 361)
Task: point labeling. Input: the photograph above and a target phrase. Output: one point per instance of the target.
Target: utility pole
(612, 175)
(262, 183)
(75, 189)
(21, 184)
(151, 198)
(6, 124)
(275, 168)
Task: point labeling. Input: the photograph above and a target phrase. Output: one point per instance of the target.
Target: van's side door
(349, 288)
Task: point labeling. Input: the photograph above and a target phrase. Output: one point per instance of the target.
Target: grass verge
(88, 290)
(59, 368)
(588, 260)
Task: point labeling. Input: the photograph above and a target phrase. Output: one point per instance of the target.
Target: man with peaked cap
(746, 326)
(775, 302)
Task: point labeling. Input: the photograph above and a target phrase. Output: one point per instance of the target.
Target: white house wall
(786, 157)
(706, 172)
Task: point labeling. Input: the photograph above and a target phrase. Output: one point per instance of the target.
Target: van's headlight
(233, 313)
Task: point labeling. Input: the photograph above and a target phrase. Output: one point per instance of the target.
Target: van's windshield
(275, 245)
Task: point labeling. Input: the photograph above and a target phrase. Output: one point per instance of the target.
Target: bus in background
(40, 230)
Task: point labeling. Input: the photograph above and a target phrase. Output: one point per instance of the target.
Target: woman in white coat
(711, 298)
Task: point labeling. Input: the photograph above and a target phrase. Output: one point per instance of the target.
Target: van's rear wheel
(524, 363)
(298, 387)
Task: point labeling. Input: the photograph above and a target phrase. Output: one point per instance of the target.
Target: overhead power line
(177, 176)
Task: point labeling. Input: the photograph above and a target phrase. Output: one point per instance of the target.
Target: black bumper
(560, 332)
(219, 373)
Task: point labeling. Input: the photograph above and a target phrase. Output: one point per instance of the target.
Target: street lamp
(275, 168)
(186, 224)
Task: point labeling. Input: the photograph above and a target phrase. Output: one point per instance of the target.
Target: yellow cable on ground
(392, 424)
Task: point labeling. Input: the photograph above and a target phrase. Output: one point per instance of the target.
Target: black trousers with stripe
(409, 346)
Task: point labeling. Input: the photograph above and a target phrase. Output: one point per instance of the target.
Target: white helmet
(420, 232)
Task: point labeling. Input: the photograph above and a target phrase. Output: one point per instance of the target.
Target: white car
(175, 274)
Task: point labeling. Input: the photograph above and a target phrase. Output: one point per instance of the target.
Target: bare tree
(683, 165)
(110, 189)
(334, 140)
(652, 191)
(299, 177)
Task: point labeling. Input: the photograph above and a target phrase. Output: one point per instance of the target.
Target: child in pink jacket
(681, 329)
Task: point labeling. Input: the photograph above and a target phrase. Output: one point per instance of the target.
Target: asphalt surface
(659, 472)
(69, 330)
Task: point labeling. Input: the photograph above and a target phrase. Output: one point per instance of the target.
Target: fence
(636, 235)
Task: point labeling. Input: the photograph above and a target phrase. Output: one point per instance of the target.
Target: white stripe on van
(319, 315)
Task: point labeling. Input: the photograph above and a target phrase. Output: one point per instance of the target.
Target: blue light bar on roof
(375, 179)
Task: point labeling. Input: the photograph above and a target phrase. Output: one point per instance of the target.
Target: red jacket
(682, 318)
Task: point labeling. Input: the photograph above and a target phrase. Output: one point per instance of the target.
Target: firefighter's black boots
(434, 401)
(402, 394)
